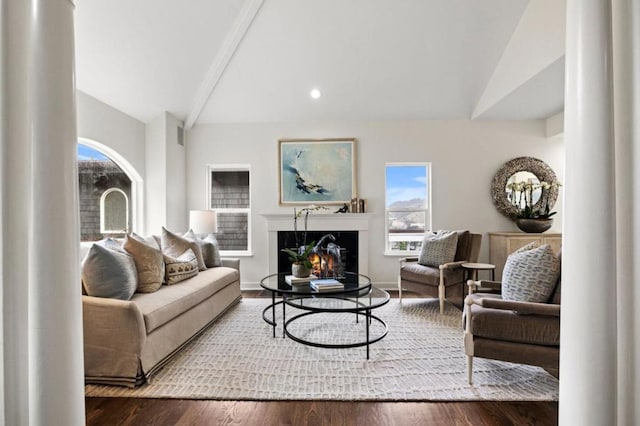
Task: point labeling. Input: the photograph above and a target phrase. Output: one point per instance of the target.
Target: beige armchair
(439, 282)
(520, 332)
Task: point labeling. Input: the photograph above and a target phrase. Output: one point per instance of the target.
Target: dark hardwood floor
(139, 411)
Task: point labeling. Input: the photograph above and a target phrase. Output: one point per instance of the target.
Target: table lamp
(203, 221)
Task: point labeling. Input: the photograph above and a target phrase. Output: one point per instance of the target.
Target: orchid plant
(298, 214)
(521, 195)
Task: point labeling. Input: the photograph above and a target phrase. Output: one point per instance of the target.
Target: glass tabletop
(347, 302)
(353, 283)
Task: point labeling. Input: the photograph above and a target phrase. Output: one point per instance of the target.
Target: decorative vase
(534, 225)
(299, 270)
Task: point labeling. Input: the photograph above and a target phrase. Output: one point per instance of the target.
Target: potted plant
(300, 263)
(532, 216)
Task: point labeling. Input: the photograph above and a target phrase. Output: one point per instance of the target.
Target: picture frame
(317, 171)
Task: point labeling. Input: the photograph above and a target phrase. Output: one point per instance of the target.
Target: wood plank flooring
(138, 411)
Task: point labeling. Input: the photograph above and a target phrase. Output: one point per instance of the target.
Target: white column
(588, 326)
(41, 306)
(56, 366)
(15, 184)
(626, 89)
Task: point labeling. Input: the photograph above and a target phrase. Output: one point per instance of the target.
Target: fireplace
(348, 252)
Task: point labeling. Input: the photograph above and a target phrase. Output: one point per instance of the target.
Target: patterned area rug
(421, 359)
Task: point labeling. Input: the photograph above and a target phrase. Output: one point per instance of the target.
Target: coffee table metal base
(368, 340)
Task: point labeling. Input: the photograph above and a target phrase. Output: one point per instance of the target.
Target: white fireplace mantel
(321, 222)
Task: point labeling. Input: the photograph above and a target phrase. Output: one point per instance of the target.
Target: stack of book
(328, 284)
(291, 280)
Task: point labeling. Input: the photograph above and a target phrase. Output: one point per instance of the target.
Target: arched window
(105, 191)
(114, 212)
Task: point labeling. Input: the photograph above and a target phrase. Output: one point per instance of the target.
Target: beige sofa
(126, 342)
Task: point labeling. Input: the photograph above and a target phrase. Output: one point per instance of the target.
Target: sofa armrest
(548, 309)
(231, 262)
(113, 325)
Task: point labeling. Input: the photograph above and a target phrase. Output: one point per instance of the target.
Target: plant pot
(534, 225)
(298, 270)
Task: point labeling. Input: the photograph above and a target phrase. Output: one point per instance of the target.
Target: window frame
(428, 209)
(103, 198)
(222, 167)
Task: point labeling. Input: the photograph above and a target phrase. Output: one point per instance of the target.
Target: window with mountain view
(408, 209)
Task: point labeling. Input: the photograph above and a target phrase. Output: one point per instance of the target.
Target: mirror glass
(522, 177)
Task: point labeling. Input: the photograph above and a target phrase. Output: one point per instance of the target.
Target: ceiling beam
(223, 58)
(537, 42)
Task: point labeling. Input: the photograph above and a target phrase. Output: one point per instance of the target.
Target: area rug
(421, 359)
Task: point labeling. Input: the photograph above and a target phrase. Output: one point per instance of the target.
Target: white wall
(166, 176)
(104, 124)
(464, 155)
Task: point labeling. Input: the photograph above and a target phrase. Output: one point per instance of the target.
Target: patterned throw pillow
(174, 245)
(529, 246)
(180, 268)
(438, 247)
(530, 275)
(109, 272)
(208, 247)
(149, 264)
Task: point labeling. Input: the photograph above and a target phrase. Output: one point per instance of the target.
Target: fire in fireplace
(327, 258)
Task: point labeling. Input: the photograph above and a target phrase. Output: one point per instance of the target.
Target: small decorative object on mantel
(343, 209)
(358, 205)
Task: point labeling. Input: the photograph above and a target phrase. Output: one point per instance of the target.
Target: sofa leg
(470, 369)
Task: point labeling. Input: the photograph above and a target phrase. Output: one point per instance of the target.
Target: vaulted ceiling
(210, 61)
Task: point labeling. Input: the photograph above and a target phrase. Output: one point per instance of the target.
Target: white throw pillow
(530, 275)
(438, 248)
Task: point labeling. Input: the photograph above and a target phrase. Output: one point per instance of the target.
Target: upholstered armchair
(520, 332)
(440, 281)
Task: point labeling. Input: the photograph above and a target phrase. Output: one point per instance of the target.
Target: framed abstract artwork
(317, 171)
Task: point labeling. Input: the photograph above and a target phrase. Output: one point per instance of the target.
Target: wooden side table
(475, 267)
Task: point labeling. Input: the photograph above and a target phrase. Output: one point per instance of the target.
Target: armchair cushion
(438, 247)
(430, 275)
(531, 275)
(507, 325)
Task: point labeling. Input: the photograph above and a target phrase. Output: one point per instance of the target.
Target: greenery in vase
(522, 193)
(300, 257)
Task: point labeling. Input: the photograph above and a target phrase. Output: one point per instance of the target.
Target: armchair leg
(470, 369)
(441, 297)
(400, 289)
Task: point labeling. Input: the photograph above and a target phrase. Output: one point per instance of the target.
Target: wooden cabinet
(502, 244)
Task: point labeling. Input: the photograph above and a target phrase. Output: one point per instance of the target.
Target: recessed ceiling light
(315, 93)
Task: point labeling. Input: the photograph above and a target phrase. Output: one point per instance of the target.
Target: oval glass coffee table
(358, 297)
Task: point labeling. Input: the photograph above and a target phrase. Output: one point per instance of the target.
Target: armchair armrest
(548, 309)
(452, 265)
(408, 259)
(231, 262)
(480, 285)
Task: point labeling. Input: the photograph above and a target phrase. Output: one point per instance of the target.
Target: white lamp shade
(203, 221)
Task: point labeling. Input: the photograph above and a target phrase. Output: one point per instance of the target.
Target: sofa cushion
(149, 263)
(109, 272)
(180, 268)
(162, 306)
(174, 245)
(430, 275)
(208, 247)
(530, 275)
(509, 326)
(438, 247)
